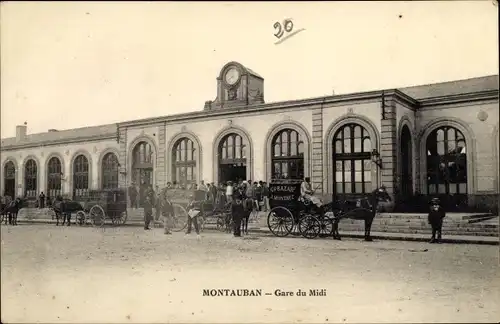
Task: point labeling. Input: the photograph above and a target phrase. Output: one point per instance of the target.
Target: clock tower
(237, 86)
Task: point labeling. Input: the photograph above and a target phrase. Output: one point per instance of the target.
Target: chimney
(21, 131)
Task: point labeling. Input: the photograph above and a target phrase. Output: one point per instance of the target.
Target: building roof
(449, 88)
(67, 134)
(443, 89)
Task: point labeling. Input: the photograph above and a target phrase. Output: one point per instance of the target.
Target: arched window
(142, 168)
(287, 153)
(10, 179)
(352, 158)
(446, 161)
(184, 162)
(232, 149)
(54, 172)
(109, 169)
(232, 158)
(80, 177)
(30, 179)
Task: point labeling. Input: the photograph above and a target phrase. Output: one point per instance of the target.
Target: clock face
(232, 76)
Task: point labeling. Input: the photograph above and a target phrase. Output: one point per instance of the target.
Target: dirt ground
(74, 274)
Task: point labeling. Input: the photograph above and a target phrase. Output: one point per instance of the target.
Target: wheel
(326, 227)
(221, 223)
(180, 218)
(80, 218)
(309, 227)
(280, 221)
(97, 215)
(122, 219)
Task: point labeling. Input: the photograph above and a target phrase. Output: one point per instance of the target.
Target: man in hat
(435, 218)
(148, 212)
(307, 192)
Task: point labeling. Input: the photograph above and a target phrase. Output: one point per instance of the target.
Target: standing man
(148, 212)
(435, 218)
(265, 196)
(158, 204)
(41, 198)
(132, 194)
(229, 191)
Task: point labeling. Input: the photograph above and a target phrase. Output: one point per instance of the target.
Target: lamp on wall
(376, 158)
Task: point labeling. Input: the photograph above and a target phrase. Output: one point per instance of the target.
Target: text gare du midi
(258, 293)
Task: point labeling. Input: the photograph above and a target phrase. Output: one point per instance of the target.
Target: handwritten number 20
(287, 25)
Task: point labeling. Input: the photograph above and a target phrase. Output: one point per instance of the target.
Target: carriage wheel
(309, 227)
(180, 218)
(122, 219)
(280, 221)
(80, 217)
(97, 215)
(326, 227)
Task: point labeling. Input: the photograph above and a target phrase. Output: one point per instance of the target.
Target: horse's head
(381, 194)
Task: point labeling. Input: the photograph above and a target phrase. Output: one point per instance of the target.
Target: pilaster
(388, 145)
(122, 158)
(161, 163)
(317, 150)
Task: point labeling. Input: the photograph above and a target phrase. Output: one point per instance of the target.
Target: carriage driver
(306, 192)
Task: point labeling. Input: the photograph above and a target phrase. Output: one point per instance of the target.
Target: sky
(77, 64)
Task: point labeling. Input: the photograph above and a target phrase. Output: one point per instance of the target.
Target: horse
(360, 209)
(63, 208)
(12, 210)
(248, 205)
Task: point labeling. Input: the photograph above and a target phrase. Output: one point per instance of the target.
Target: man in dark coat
(41, 198)
(435, 218)
(132, 194)
(148, 212)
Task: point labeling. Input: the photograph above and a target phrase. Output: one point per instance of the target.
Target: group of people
(242, 196)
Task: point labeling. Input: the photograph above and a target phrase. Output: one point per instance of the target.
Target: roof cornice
(459, 98)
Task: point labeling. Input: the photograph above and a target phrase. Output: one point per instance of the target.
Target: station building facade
(439, 139)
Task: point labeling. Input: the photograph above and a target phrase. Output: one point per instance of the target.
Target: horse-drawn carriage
(210, 211)
(94, 208)
(291, 213)
(100, 205)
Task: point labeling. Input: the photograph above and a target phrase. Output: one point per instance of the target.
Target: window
(143, 155)
(30, 178)
(54, 172)
(287, 154)
(352, 158)
(232, 149)
(80, 176)
(184, 162)
(110, 171)
(446, 162)
(9, 179)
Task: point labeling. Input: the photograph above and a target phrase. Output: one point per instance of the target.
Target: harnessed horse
(63, 208)
(360, 209)
(11, 210)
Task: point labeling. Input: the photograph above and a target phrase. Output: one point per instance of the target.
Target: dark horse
(11, 210)
(360, 209)
(63, 208)
(248, 205)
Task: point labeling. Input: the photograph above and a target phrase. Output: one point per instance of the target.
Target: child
(435, 218)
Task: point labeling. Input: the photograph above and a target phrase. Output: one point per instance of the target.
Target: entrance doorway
(232, 159)
(142, 168)
(406, 165)
(232, 172)
(10, 180)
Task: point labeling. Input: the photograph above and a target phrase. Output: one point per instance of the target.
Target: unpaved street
(75, 274)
